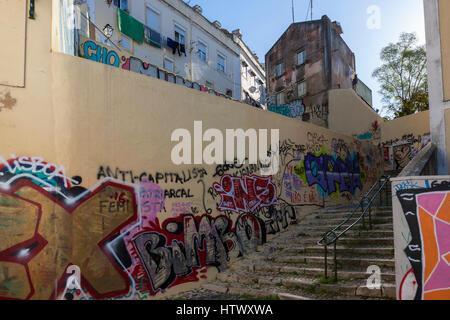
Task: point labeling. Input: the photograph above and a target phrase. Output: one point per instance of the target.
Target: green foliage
(403, 76)
(330, 280)
(311, 288)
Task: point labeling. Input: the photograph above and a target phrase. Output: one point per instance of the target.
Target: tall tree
(403, 76)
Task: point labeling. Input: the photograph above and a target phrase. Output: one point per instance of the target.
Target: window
(301, 57)
(209, 84)
(152, 19)
(221, 62)
(125, 42)
(122, 4)
(202, 51)
(180, 35)
(280, 98)
(168, 64)
(301, 89)
(279, 70)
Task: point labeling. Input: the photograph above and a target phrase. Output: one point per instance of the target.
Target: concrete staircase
(291, 265)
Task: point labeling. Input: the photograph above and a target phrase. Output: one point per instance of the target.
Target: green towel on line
(129, 26)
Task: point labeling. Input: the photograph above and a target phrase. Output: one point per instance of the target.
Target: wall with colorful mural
(421, 207)
(402, 138)
(92, 207)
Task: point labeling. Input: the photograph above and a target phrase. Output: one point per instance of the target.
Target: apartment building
(174, 36)
(306, 62)
(253, 75)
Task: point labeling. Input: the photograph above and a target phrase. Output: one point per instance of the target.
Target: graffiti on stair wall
(427, 213)
(101, 53)
(399, 151)
(132, 237)
(245, 194)
(42, 236)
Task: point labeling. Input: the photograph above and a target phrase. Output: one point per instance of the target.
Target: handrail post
(364, 222)
(326, 263)
(370, 217)
(386, 192)
(335, 263)
(381, 200)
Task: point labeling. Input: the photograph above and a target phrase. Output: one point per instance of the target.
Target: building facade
(171, 36)
(253, 75)
(308, 60)
(176, 37)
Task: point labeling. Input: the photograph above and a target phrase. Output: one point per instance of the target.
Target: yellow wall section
(416, 124)
(349, 114)
(12, 33)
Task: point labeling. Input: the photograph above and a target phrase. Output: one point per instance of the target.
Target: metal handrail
(365, 203)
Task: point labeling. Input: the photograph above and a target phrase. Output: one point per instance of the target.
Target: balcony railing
(364, 92)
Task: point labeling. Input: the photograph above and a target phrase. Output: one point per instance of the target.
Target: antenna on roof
(311, 10)
(293, 19)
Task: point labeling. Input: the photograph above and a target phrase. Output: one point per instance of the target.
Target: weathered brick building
(307, 61)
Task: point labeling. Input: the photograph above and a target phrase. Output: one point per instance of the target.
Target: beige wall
(421, 237)
(349, 114)
(12, 55)
(403, 138)
(417, 124)
(96, 122)
(444, 24)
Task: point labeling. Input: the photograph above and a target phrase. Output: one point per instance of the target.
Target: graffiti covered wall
(400, 143)
(422, 237)
(92, 207)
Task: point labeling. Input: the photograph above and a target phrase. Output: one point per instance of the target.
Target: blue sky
(262, 22)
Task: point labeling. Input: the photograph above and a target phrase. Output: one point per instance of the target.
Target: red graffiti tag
(245, 194)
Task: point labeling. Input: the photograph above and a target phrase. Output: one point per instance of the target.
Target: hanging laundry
(152, 37)
(174, 45)
(183, 49)
(170, 43)
(129, 26)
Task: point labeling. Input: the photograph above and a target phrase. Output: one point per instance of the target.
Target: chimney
(338, 27)
(198, 9)
(238, 33)
(217, 24)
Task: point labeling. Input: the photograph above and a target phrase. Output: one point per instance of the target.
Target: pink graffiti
(151, 199)
(245, 194)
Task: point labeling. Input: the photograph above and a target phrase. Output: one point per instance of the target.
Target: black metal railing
(365, 204)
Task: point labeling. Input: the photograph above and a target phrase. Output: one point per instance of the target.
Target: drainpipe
(190, 50)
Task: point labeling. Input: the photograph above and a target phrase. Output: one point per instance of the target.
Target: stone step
(386, 290)
(332, 210)
(240, 290)
(335, 222)
(288, 296)
(343, 215)
(312, 285)
(383, 226)
(389, 251)
(386, 275)
(353, 233)
(343, 261)
(344, 240)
